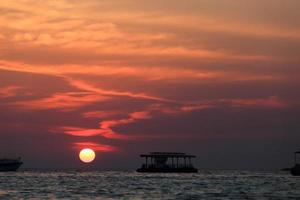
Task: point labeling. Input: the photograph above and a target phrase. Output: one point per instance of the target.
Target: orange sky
(111, 74)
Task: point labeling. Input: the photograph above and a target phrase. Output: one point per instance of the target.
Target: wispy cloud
(9, 91)
(95, 146)
(100, 114)
(107, 127)
(88, 87)
(62, 101)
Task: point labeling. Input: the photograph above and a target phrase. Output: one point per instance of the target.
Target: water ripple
(131, 185)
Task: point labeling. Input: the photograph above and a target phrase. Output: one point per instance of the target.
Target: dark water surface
(132, 185)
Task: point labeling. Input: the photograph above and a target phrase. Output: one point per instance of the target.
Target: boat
(167, 162)
(8, 164)
(295, 171)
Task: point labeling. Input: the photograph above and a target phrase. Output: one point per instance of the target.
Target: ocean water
(132, 185)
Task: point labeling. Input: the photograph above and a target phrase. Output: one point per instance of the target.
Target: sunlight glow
(87, 155)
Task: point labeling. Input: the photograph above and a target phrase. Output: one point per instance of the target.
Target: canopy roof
(167, 154)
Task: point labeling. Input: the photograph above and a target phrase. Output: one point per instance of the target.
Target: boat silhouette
(8, 164)
(167, 162)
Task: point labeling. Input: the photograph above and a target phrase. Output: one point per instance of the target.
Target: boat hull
(167, 170)
(295, 172)
(10, 166)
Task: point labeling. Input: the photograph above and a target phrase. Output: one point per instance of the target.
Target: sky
(215, 78)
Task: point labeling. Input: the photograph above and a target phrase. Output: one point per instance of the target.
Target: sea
(218, 184)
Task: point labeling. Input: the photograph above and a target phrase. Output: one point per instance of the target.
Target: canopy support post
(146, 162)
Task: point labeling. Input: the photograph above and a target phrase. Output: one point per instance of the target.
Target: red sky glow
(133, 76)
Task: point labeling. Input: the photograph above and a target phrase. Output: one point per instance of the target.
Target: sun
(87, 155)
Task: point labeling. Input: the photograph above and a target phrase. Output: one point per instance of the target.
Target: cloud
(62, 101)
(77, 83)
(106, 126)
(75, 74)
(88, 87)
(100, 114)
(84, 132)
(121, 34)
(271, 102)
(9, 91)
(95, 146)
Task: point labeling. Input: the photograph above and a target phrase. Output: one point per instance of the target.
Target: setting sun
(87, 155)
